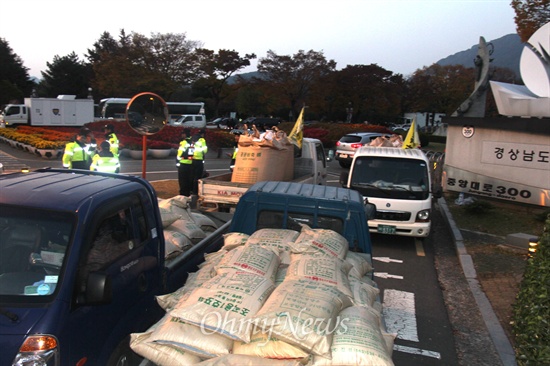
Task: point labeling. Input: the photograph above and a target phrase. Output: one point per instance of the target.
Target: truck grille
(393, 215)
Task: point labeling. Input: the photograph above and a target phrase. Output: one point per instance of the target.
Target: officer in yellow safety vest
(198, 159)
(184, 163)
(233, 156)
(105, 161)
(112, 138)
(77, 154)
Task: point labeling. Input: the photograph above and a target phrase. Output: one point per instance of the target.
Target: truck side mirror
(344, 179)
(437, 192)
(370, 210)
(98, 289)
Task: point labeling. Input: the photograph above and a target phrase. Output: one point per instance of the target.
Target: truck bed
(219, 190)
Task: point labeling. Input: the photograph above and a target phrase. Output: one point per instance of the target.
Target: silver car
(348, 145)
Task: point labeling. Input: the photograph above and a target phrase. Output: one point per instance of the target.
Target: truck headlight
(38, 350)
(423, 216)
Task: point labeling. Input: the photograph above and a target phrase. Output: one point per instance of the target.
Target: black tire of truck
(124, 356)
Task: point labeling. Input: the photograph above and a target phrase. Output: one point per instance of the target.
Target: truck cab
(14, 114)
(398, 182)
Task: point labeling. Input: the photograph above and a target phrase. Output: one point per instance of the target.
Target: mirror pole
(143, 156)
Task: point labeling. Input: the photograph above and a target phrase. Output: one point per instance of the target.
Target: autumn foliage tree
(292, 77)
(530, 16)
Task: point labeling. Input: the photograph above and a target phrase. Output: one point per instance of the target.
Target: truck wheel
(124, 356)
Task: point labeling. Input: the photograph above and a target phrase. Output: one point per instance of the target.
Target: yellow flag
(297, 133)
(412, 140)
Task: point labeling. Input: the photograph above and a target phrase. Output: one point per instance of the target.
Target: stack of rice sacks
(276, 297)
(182, 227)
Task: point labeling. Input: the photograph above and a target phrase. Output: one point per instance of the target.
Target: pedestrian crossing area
(10, 164)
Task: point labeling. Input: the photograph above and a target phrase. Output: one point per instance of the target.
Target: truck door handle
(142, 283)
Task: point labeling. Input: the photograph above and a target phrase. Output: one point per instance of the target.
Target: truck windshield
(33, 244)
(383, 177)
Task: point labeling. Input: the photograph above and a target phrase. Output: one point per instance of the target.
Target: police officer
(110, 136)
(198, 159)
(237, 134)
(77, 154)
(184, 163)
(104, 160)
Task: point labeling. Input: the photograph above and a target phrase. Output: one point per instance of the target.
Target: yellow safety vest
(106, 164)
(184, 145)
(113, 141)
(74, 152)
(200, 149)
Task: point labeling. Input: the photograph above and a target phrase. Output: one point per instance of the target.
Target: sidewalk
(498, 335)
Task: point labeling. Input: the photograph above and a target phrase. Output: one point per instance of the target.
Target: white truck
(398, 182)
(65, 110)
(220, 193)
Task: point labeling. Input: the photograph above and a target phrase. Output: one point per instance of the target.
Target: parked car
(350, 143)
(222, 122)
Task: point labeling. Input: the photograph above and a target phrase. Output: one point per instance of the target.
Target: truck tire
(124, 356)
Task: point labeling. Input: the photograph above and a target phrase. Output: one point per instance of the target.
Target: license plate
(386, 229)
(344, 156)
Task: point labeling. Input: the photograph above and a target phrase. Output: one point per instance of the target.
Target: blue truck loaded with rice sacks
(61, 305)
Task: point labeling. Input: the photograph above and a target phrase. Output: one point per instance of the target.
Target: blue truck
(70, 297)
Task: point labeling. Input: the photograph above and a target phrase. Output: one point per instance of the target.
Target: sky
(398, 35)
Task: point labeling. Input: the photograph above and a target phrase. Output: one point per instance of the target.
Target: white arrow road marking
(399, 314)
(417, 351)
(387, 259)
(387, 275)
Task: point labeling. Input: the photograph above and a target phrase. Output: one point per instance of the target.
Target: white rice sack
(366, 279)
(275, 238)
(245, 360)
(251, 258)
(190, 338)
(303, 313)
(233, 240)
(204, 222)
(167, 217)
(281, 274)
(189, 229)
(320, 268)
(226, 303)
(168, 301)
(327, 242)
(174, 238)
(268, 346)
(176, 207)
(360, 262)
(171, 249)
(180, 201)
(361, 341)
(160, 354)
(363, 293)
(209, 258)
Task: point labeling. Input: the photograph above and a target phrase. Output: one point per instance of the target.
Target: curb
(500, 340)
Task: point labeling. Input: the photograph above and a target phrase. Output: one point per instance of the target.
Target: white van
(190, 121)
(398, 182)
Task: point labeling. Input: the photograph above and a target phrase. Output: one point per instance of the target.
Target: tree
(65, 75)
(292, 77)
(162, 63)
(372, 92)
(530, 16)
(215, 70)
(15, 83)
(439, 89)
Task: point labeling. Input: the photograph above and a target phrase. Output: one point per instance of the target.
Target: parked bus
(115, 108)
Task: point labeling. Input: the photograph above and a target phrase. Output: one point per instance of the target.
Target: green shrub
(478, 207)
(531, 312)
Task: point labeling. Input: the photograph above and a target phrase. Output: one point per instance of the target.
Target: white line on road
(417, 351)
(387, 259)
(419, 247)
(400, 314)
(387, 275)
